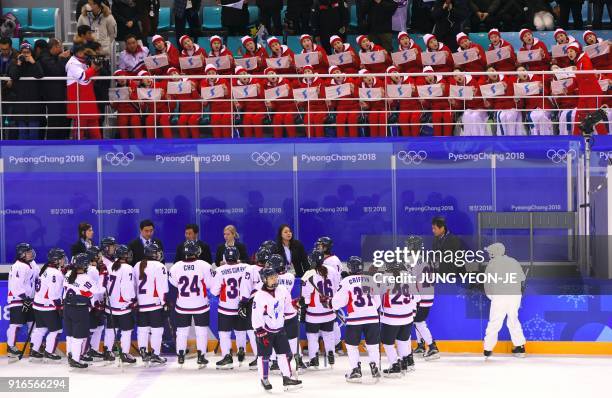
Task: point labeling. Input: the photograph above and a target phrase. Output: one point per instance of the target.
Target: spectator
(165, 47)
(28, 114)
(126, 15)
(7, 56)
(85, 36)
(53, 62)
(39, 46)
(101, 87)
(187, 11)
(147, 229)
(399, 21)
(598, 9)
(541, 14)
(81, 107)
(191, 235)
(132, 58)
(512, 16)
(575, 6)
(484, 14)
(298, 15)
(270, 15)
(87, 4)
(421, 19)
(148, 16)
(102, 22)
(378, 16)
(234, 20)
(449, 16)
(330, 18)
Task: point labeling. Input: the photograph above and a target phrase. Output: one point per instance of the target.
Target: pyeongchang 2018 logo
(120, 158)
(412, 157)
(265, 158)
(561, 155)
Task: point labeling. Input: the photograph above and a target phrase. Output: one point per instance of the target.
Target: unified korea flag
(306, 94)
(604, 84)
(149, 94)
(221, 63)
(249, 63)
(565, 73)
(492, 90)
(341, 90)
(527, 89)
(279, 63)
(182, 87)
(340, 58)
(370, 94)
(497, 55)
(465, 56)
(405, 56)
(119, 94)
(372, 57)
(430, 91)
(277, 92)
(557, 87)
(461, 92)
(311, 58)
(194, 62)
(528, 56)
(597, 49)
(559, 50)
(213, 92)
(399, 90)
(248, 91)
(156, 61)
(433, 58)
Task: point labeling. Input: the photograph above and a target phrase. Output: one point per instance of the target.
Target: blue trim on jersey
(204, 307)
(399, 316)
(149, 305)
(319, 314)
(273, 330)
(363, 318)
(233, 311)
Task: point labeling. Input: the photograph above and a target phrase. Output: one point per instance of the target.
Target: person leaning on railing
(82, 107)
(53, 62)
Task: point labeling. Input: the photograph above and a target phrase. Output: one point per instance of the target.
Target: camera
(98, 60)
(21, 58)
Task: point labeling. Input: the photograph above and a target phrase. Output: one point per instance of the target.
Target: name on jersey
(233, 270)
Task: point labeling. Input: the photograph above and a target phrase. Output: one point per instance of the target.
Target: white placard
(370, 94)
(433, 58)
(558, 86)
(194, 62)
(372, 57)
(156, 61)
(597, 49)
(527, 88)
(182, 87)
(497, 55)
(529, 56)
(405, 56)
(465, 56)
(604, 84)
(249, 63)
(221, 63)
(213, 92)
(305, 94)
(492, 90)
(559, 50)
(565, 73)
(311, 58)
(149, 94)
(399, 90)
(277, 92)
(430, 90)
(279, 62)
(119, 94)
(248, 91)
(462, 92)
(342, 58)
(341, 90)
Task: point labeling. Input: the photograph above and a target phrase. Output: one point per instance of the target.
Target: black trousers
(58, 127)
(598, 9)
(573, 6)
(271, 18)
(195, 25)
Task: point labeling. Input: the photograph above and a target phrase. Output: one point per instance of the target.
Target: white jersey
(316, 312)
(120, 287)
(421, 272)
(269, 309)
(21, 280)
(398, 304)
(150, 286)
(287, 281)
(361, 303)
(227, 286)
(94, 275)
(251, 281)
(49, 288)
(82, 286)
(192, 279)
(333, 263)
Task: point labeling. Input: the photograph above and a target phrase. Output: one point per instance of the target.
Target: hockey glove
(262, 335)
(27, 305)
(243, 308)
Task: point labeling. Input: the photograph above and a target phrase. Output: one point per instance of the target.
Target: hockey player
(533, 43)
(77, 301)
(506, 64)
(226, 286)
(108, 246)
(324, 245)
(269, 307)
(309, 46)
(192, 277)
(345, 107)
(357, 295)
(121, 300)
(505, 300)
(218, 49)
(21, 280)
(48, 306)
(432, 44)
(151, 279)
(96, 315)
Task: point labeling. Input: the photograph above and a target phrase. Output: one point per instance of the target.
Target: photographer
(7, 56)
(53, 62)
(101, 87)
(29, 114)
(82, 107)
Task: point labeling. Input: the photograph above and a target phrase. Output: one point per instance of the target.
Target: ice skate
(299, 364)
(144, 355)
(13, 353)
(50, 357)
(253, 364)
(374, 370)
(394, 370)
(155, 359)
(76, 364)
(180, 358)
(36, 356)
(291, 384)
(519, 351)
(274, 367)
(487, 354)
(226, 363)
(420, 348)
(331, 359)
(313, 364)
(95, 355)
(432, 352)
(340, 349)
(407, 364)
(127, 359)
(266, 384)
(202, 361)
(354, 376)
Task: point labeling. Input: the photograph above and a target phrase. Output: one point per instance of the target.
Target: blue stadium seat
(233, 43)
(165, 19)
(15, 41)
(204, 43)
(33, 40)
(353, 17)
(22, 15)
(480, 38)
(253, 15)
(43, 19)
(350, 39)
(293, 42)
(212, 18)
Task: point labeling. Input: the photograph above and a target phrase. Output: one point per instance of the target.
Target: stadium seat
(33, 40)
(22, 15)
(204, 43)
(293, 42)
(211, 19)
(15, 41)
(353, 17)
(43, 19)
(253, 15)
(480, 38)
(233, 43)
(165, 19)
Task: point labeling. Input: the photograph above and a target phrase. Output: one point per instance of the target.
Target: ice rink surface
(450, 376)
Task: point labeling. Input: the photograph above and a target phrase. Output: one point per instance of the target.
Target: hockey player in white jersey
(192, 277)
(121, 300)
(21, 280)
(78, 295)
(330, 260)
(227, 287)
(356, 293)
(398, 310)
(268, 318)
(96, 315)
(47, 306)
(108, 246)
(318, 286)
(425, 292)
(151, 285)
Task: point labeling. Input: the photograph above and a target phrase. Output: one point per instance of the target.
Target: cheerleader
(346, 107)
(278, 50)
(474, 117)
(165, 47)
(601, 62)
(561, 38)
(441, 116)
(315, 111)
(128, 112)
(409, 108)
(496, 42)
(221, 107)
(566, 102)
(375, 109)
(253, 109)
(536, 106)
(189, 104)
(464, 43)
(254, 50)
(119, 285)
(153, 110)
(338, 46)
(48, 305)
(96, 315)
(190, 49)
(309, 46)
(532, 43)
(218, 49)
(282, 108)
(406, 43)
(508, 118)
(151, 278)
(366, 46)
(432, 44)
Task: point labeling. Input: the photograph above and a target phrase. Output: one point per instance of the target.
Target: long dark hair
(143, 265)
(72, 277)
(116, 265)
(279, 235)
(321, 270)
(83, 228)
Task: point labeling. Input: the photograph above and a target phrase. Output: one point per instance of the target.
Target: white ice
(450, 376)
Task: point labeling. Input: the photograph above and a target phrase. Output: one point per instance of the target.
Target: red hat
(272, 40)
(494, 31)
(586, 33)
(120, 72)
(402, 34)
(171, 70)
(575, 46)
(215, 38)
(392, 69)
(157, 38)
(523, 32)
(210, 67)
(363, 72)
(305, 36)
(361, 38)
(427, 69)
(183, 38)
(246, 39)
(558, 32)
(239, 69)
(335, 38)
(307, 67)
(268, 70)
(333, 68)
(460, 37)
(144, 73)
(428, 37)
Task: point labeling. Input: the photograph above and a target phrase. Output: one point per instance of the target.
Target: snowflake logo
(538, 329)
(576, 299)
(476, 300)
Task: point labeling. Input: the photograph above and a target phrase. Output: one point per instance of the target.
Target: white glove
(309, 274)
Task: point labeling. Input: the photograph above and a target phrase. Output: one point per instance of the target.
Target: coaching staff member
(230, 235)
(146, 238)
(191, 234)
(292, 250)
(443, 241)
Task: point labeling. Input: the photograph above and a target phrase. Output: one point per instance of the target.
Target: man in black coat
(147, 229)
(329, 18)
(234, 20)
(378, 16)
(182, 15)
(449, 17)
(53, 61)
(484, 14)
(444, 241)
(191, 235)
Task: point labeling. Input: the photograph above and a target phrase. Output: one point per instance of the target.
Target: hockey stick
(337, 313)
(25, 345)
